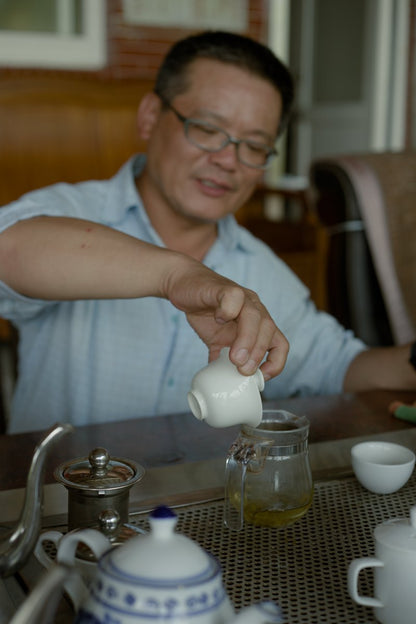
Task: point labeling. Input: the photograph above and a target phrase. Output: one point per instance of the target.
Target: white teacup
(382, 467)
(223, 397)
(394, 600)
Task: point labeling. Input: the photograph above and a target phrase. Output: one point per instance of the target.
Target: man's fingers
(276, 358)
(243, 323)
(257, 335)
(277, 349)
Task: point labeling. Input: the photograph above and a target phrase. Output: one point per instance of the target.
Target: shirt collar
(123, 197)
(122, 193)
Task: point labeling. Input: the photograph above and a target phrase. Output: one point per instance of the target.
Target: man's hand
(225, 314)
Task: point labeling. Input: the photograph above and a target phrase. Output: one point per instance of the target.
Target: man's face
(199, 185)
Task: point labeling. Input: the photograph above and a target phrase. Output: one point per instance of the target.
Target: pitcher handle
(354, 570)
(73, 584)
(99, 544)
(236, 464)
(39, 552)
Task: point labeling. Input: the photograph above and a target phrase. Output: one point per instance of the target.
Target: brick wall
(135, 52)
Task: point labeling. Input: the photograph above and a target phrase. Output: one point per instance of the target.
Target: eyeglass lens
(213, 139)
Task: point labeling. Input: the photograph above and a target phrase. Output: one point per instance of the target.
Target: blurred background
(354, 60)
(73, 71)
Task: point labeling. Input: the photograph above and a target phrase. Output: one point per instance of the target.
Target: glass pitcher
(268, 478)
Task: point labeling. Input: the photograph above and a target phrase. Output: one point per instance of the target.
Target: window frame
(59, 50)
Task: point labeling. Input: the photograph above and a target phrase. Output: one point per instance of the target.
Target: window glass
(41, 16)
(53, 33)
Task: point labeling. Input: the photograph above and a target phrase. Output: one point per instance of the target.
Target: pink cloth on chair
(385, 185)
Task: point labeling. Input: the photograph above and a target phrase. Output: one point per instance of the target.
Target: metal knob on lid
(109, 524)
(109, 521)
(118, 533)
(99, 459)
(96, 483)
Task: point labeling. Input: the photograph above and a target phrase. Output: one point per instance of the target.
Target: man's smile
(213, 187)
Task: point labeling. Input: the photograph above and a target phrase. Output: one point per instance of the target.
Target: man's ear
(147, 115)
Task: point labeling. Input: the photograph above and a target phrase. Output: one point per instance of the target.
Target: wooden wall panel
(55, 129)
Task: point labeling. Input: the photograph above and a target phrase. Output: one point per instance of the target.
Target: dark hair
(238, 50)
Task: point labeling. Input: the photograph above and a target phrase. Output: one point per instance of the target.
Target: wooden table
(182, 456)
(181, 438)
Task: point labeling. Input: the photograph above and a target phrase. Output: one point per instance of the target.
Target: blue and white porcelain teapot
(161, 576)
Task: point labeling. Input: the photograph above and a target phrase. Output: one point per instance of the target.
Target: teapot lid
(398, 533)
(99, 472)
(162, 556)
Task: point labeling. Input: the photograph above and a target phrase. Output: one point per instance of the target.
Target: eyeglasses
(210, 138)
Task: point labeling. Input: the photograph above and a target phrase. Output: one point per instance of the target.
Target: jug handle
(73, 585)
(236, 464)
(354, 570)
(39, 552)
(99, 544)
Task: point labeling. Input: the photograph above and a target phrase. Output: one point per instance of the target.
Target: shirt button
(171, 382)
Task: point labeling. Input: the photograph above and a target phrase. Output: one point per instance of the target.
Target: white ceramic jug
(223, 397)
(394, 572)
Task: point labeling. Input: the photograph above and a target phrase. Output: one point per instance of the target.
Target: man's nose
(227, 156)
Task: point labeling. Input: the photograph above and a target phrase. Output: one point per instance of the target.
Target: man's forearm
(385, 368)
(63, 259)
(58, 258)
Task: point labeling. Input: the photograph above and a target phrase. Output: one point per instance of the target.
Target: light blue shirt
(94, 361)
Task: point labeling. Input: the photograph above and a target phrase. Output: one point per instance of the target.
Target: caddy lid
(99, 472)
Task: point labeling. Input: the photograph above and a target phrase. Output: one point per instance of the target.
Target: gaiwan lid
(99, 473)
(162, 556)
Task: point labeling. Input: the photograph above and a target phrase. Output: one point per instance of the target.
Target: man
(87, 353)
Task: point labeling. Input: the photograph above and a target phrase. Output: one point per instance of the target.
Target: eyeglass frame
(270, 154)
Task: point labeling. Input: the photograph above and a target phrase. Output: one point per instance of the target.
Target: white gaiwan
(159, 577)
(223, 397)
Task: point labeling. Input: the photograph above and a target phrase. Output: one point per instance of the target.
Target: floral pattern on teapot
(174, 603)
